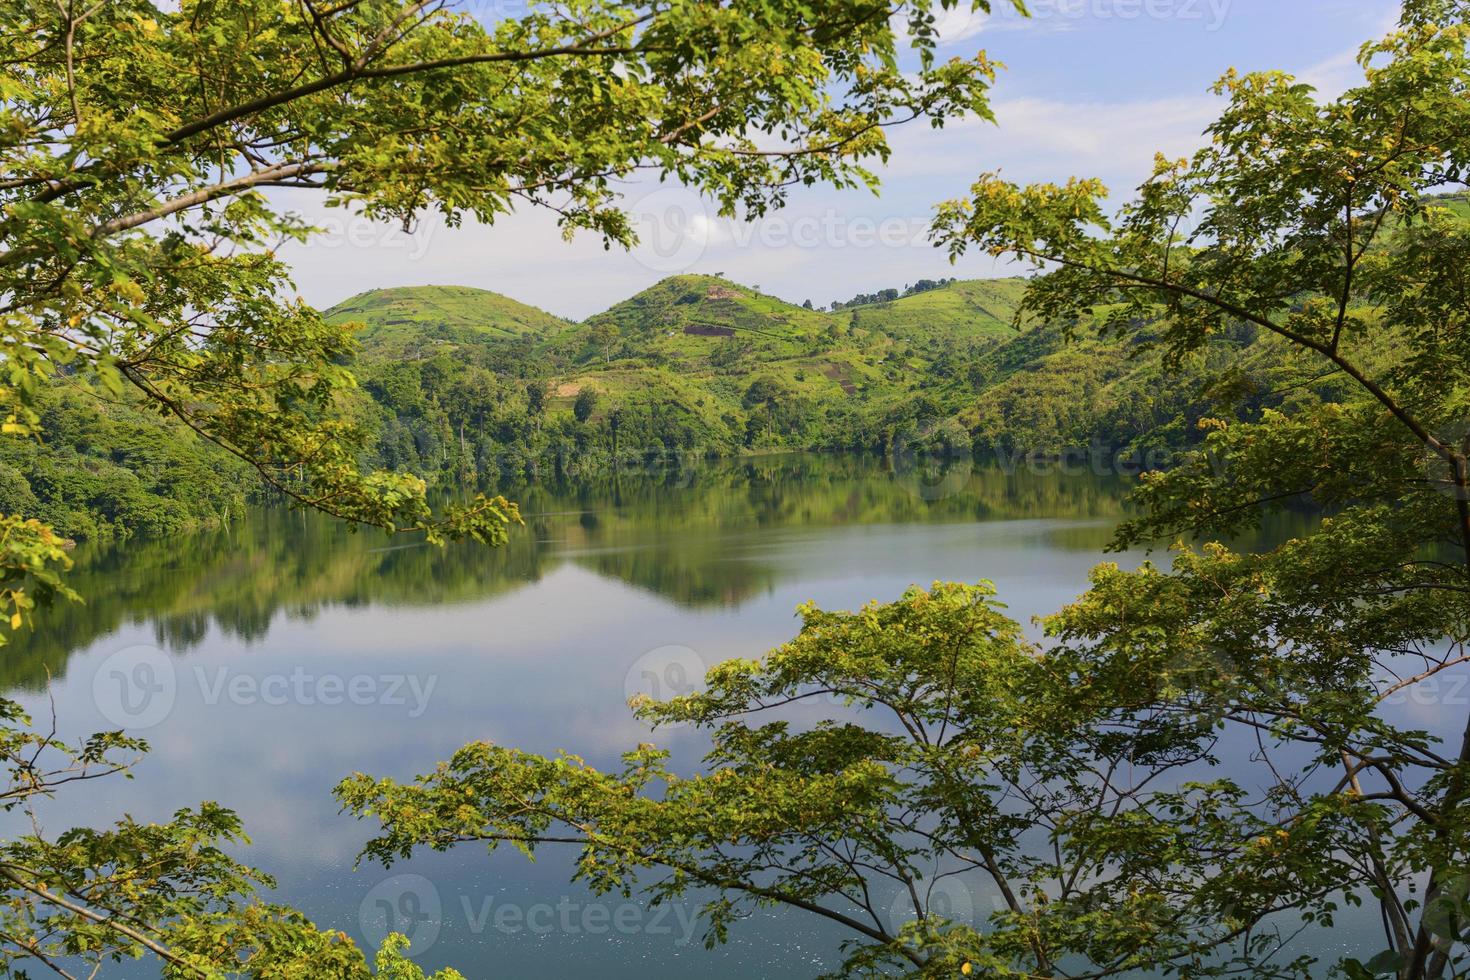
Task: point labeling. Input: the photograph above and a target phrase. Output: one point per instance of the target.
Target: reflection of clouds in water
(519, 624)
(530, 647)
(673, 541)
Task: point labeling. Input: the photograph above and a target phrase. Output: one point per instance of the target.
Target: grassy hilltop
(693, 363)
(418, 318)
(702, 364)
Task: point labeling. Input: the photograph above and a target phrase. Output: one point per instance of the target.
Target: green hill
(977, 308)
(707, 356)
(465, 386)
(701, 364)
(682, 302)
(691, 320)
(419, 317)
(727, 335)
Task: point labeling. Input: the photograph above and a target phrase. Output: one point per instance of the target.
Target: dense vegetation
(472, 389)
(697, 365)
(1197, 763)
(136, 259)
(889, 295)
(102, 466)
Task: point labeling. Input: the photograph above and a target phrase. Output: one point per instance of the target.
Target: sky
(1091, 88)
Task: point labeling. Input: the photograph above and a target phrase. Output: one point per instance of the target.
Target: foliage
(866, 299)
(962, 751)
(1316, 227)
(30, 578)
(136, 140)
(890, 294)
(93, 896)
(99, 467)
(585, 404)
(1198, 761)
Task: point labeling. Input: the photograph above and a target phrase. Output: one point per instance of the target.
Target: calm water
(266, 661)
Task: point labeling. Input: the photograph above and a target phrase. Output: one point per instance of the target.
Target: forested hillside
(472, 388)
(700, 365)
(99, 467)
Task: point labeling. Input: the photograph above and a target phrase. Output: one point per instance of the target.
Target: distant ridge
(403, 316)
(680, 302)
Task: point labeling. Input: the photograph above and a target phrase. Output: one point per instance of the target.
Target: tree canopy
(141, 145)
(1199, 760)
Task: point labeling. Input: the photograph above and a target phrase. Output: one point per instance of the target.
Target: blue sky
(1091, 88)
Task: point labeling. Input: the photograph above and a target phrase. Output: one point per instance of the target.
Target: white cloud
(1333, 76)
(962, 22)
(1040, 139)
(1107, 138)
(958, 23)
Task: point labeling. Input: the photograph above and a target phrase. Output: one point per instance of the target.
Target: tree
(1328, 239)
(1198, 761)
(605, 336)
(139, 144)
(585, 404)
(535, 398)
(93, 895)
(764, 391)
(614, 426)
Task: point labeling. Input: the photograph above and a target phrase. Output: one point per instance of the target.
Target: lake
(267, 660)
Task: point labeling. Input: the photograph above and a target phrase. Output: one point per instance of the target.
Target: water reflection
(678, 534)
(533, 645)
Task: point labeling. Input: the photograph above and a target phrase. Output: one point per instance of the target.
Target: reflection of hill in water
(671, 534)
(677, 540)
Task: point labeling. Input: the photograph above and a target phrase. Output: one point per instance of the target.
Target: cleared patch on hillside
(838, 373)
